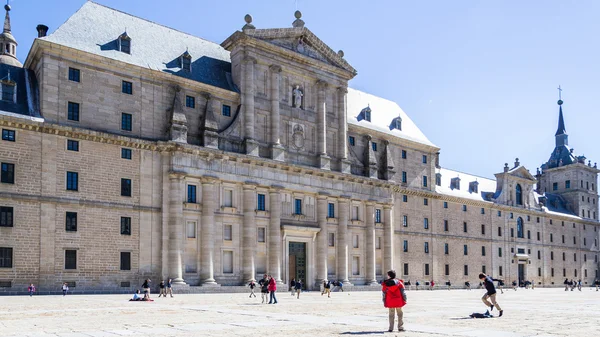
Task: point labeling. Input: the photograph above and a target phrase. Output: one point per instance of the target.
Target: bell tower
(8, 44)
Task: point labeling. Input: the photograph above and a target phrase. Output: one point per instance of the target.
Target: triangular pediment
(302, 41)
(521, 172)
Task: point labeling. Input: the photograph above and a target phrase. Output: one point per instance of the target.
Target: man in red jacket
(394, 298)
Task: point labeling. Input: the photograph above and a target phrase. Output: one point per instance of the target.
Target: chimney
(42, 30)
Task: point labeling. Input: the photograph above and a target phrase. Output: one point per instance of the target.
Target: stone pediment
(522, 173)
(301, 40)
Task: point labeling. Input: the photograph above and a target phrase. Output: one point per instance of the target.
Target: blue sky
(478, 77)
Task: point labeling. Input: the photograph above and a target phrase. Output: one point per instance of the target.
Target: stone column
(370, 262)
(343, 129)
(249, 234)
(277, 150)
(322, 239)
(275, 233)
(388, 239)
(207, 274)
(342, 240)
(248, 105)
(176, 228)
(324, 160)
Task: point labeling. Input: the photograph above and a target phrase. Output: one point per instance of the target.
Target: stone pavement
(539, 312)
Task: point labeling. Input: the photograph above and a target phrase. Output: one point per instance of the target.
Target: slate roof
(27, 94)
(383, 113)
(95, 29)
(485, 187)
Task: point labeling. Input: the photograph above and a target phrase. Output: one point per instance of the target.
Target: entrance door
(521, 274)
(297, 260)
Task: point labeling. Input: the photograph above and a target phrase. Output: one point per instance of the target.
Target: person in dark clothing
(326, 288)
(488, 283)
(264, 288)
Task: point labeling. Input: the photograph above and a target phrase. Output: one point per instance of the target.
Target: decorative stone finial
(298, 23)
(248, 25)
(341, 53)
(517, 162)
(7, 7)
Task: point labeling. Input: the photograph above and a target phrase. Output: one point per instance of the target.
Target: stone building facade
(210, 164)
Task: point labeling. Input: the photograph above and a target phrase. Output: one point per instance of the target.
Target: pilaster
(343, 129)
(371, 278)
(342, 240)
(249, 232)
(321, 238)
(388, 239)
(176, 228)
(324, 159)
(277, 150)
(275, 233)
(248, 104)
(207, 275)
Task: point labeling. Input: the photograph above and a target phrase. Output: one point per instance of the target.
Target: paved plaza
(539, 312)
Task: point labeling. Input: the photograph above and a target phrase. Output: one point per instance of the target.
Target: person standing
(488, 283)
(501, 286)
(514, 284)
(31, 289)
(449, 284)
(169, 288)
(272, 289)
(417, 285)
(146, 287)
(65, 288)
(264, 288)
(326, 288)
(597, 284)
(394, 298)
(292, 286)
(163, 290)
(298, 287)
(252, 285)
(431, 285)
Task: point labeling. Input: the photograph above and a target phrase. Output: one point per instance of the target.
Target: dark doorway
(521, 274)
(297, 267)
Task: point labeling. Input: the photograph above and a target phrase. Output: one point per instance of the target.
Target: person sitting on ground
(136, 296)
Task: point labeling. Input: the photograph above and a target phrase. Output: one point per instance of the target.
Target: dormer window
(125, 43)
(474, 187)
(8, 90)
(366, 113)
(186, 61)
(438, 179)
(455, 183)
(397, 123)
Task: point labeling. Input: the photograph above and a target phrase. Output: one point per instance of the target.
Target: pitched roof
(485, 186)
(95, 29)
(383, 112)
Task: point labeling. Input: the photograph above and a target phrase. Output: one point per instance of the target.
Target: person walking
(449, 284)
(514, 285)
(163, 289)
(292, 286)
(417, 285)
(264, 288)
(65, 288)
(272, 289)
(431, 285)
(298, 287)
(146, 287)
(566, 283)
(170, 288)
(488, 283)
(597, 284)
(394, 298)
(501, 286)
(326, 288)
(31, 289)
(252, 285)
(579, 285)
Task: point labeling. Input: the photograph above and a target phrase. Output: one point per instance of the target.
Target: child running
(488, 283)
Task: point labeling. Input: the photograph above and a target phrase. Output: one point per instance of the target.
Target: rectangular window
(262, 234)
(125, 225)
(227, 232)
(445, 225)
(552, 272)
(465, 250)
(355, 265)
(425, 223)
(482, 229)
(425, 202)
(331, 239)
(499, 213)
(464, 208)
(403, 154)
(499, 251)
(72, 145)
(351, 140)
(8, 91)
(190, 102)
(191, 194)
(355, 241)
(374, 146)
(466, 270)
(227, 262)
(482, 210)
(126, 153)
(568, 184)
(499, 231)
(424, 159)
(511, 215)
(405, 246)
(446, 249)
(551, 255)
(298, 206)
(125, 261)
(190, 230)
(447, 270)
(6, 216)
(72, 181)
(74, 75)
(126, 121)
(464, 227)
(378, 243)
(404, 178)
(445, 204)
(6, 257)
(377, 216)
(226, 110)
(260, 202)
(554, 186)
(551, 238)
(528, 235)
(8, 135)
(331, 210)
(405, 269)
(426, 247)
(424, 181)
(426, 269)
(70, 259)
(404, 198)
(538, 236)
(71, 222)
(539, 253)
(125, 187)
(73, 111)
(227, 198)
(127, 87)
(482, 250)
(483, 269)
(405, 220)
(512, 232)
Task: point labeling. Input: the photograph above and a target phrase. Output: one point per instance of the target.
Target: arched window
(519, 195)
(520, 230)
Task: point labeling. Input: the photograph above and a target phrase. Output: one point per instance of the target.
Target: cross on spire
(559, 92)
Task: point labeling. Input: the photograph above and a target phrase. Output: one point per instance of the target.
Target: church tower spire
(8, 44)
(561, 133)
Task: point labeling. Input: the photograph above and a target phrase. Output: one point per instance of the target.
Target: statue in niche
(297, 93)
